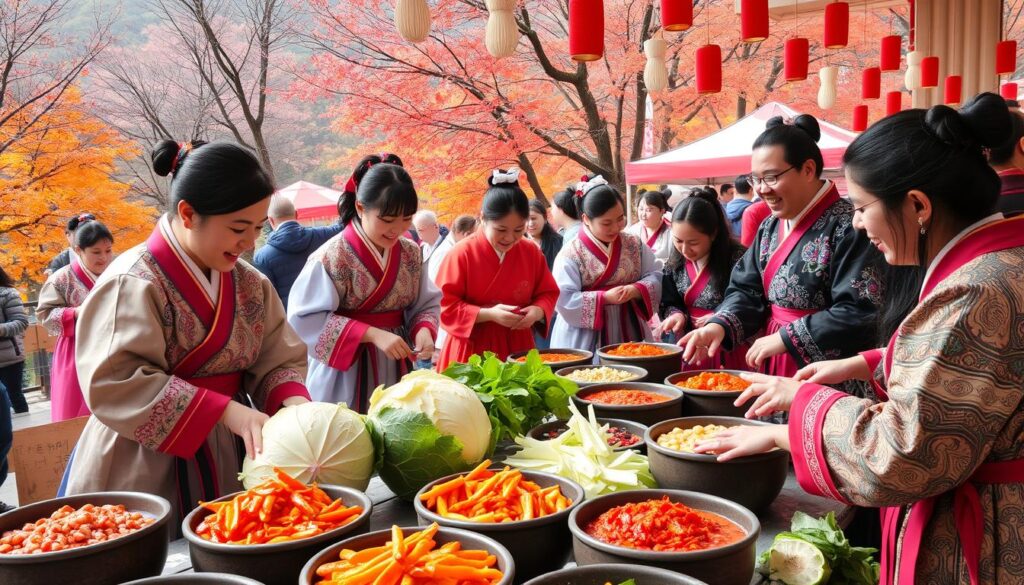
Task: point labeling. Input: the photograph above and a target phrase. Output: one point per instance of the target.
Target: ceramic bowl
(658, 367)
(614, 573)
(541, 432)
(638, 374)
(645, 414)
(585, 357)
(708, 402)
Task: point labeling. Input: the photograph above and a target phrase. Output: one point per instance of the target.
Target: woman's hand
(702, 321)
(774, 394)
(425, 344)
(835, 371)
(504, 315)
(702, 343)
(617, 295)
(743, 440)
(531, 315)
(392, 345)
(766, 347)
(247, 423)
(674, 323)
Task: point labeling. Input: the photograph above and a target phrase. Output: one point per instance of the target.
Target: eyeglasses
(768, 180)
(865, 206)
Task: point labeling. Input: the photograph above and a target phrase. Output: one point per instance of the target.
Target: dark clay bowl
(658, 367)
(708, 402)
(639, 374)
(732, 564)
(586, 357)
(273, 564)
(198, 579)
(469, 541)
(139, 554)
(614, 573)
(645, 414)
(541, 431)
(539, 545)
(753, 482)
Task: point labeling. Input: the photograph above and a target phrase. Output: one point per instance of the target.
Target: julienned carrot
(411, 560)
(278, 510)
(483, 495)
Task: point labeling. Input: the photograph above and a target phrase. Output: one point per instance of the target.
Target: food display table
(388, 510)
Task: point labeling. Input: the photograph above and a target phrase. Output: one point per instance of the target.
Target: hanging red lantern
(892, 49)
(871, 84)
(586, 29)
(1009, 91)
(709, 69)
(893, 102)
(954, 87)
(753, 20)
(1006, 58)
(676, 15)
(837, 25)
(795, 59)
(860, 118)
(930, 72)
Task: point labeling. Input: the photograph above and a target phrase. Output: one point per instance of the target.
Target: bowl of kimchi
(640, 402)
(659, 359)
(706, 537)
(710, 392)
(557, 358)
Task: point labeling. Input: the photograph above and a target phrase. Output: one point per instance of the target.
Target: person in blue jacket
(283, 256)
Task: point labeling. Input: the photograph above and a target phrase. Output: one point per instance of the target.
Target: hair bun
(705, 193)
(988, 119)
(805, 122)
(163, 155)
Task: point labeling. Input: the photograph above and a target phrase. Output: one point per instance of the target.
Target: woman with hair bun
(940, 451)
(609, 280)
(59, 299)
(809, 280)
(496, 289)
(180, 336)
(564, 214)
(364, 303)
(653, 228)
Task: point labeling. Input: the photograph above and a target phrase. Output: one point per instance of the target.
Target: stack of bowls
(133, 556)
(272, 564)
(708, 402)
(645, 414)
(584, 357)
(753, 481)
(658, 367)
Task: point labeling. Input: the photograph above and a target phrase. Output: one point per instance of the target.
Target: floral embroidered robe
(660, 241)
(944, 449)
(159, 360)
(344, 290)
(59, 299)
(584, 270)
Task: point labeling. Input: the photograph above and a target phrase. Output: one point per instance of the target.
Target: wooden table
(388, 510)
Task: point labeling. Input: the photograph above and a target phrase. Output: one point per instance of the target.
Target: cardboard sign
(40, 454)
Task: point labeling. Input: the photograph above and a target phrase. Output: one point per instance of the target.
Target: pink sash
(783, 364)
(967, 514)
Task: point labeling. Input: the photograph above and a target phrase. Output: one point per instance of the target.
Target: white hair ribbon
(510, 176)
(584, 186)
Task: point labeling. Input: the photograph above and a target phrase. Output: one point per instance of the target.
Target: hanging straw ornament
(412, 18)
(655, 71)
(827, 90)
(502, 32)
(912, 79)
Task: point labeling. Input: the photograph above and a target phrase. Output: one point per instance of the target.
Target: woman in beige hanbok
(940, 452)
(182, 347)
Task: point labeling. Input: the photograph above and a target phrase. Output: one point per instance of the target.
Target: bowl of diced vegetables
(640, 402)
(557, 358)
(614, 574)
(753, 481)
(268, 532)
(659, 359)
(621, 434)
(703, 536)
(710, 392)
(590, 374)
(430, 554)
(72, 539)
(517, 508)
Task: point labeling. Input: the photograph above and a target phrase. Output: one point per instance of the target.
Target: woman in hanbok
(59, 300)
(941, 447)
(694, 281)
(183, 348)
(652, 228)
(364, 303)
(809, 281)
(609, 281)
(565, 215)
(496, 289)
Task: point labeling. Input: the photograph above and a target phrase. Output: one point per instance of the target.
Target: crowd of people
(880, 326)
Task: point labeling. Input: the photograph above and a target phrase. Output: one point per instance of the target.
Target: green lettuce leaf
(414, 451)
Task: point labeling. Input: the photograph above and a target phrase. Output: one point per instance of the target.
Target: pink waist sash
(699, 312)
(966, 514)
(226, 384)
(381, 320)
(784, 316)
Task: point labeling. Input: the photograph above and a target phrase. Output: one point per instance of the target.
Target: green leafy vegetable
(628, 582)
(517, 395)
(844, 564)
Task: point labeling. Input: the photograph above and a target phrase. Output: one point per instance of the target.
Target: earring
(920, 222)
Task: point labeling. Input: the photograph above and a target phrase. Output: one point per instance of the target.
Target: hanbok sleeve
(425, 312)
(744, 310)
(649, 284)
(580, 309)
(280, 369)
(671, 297)
(942, 418)
(458, 316)
(331, 338)
(851, 317)
(123, 371)
(53, 311)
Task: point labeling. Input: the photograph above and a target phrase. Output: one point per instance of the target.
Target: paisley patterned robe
(159, 360)
(944, 451)
(57, 310)
(345, 289)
